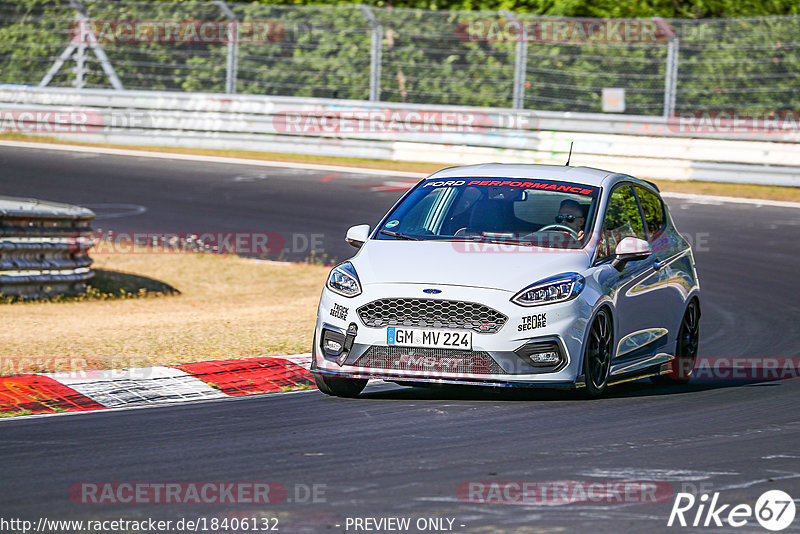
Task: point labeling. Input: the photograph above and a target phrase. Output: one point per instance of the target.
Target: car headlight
(551, 290)
(344, 280)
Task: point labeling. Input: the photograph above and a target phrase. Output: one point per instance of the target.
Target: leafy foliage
(427, 56)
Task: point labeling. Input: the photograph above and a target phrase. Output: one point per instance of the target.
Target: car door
(637, 330)
(670, 282)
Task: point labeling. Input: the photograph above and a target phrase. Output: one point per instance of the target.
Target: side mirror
(630, 249)
(357, 235)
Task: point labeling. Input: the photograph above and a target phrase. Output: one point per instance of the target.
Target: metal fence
(492, 59)
(43, 248)
(649, 147)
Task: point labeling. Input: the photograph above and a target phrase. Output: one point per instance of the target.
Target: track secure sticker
(339, 311)
(532, 322)
(392, 224)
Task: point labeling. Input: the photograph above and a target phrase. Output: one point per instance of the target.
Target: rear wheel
(686, 347)
(597, 355)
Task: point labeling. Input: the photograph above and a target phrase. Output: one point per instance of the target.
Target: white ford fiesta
(512, 275)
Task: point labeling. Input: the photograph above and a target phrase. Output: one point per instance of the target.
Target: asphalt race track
(399, 452)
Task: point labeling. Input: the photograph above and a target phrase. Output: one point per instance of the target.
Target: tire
(686, 348)
(597, 354)
(340, 387)
(335, 387)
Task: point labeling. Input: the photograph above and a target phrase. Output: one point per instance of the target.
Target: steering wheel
(559, 228)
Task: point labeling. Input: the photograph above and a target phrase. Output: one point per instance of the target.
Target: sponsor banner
(546, 185)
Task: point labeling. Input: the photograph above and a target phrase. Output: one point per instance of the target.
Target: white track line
(700, 199)
(209, 159)
(712, 199)
(224, 398)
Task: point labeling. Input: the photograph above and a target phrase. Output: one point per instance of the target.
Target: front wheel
(340, 387)
(597, 356)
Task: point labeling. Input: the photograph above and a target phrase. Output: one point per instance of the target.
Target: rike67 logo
(774, 510)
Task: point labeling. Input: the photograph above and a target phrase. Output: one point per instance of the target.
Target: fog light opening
(332, 343)
(332, 346)
(547, 359)
(546, 355)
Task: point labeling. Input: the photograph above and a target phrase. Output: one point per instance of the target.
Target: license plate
(419, 337)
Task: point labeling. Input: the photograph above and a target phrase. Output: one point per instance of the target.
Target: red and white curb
(148, 386)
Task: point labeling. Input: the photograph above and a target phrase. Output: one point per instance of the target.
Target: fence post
(80, 67)
(85, 32)
(671, 76)
(375, 53)
(232, 63)
(56, 66)
(105, 63)
(520, 62)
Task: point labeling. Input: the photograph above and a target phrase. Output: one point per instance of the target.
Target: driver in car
(572, 214)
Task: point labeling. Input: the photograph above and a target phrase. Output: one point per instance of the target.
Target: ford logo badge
(432, 291)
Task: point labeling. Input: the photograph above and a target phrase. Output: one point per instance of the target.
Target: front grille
(432, 313)
(432, 360)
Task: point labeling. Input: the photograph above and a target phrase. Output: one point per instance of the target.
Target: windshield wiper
(485, 239)
(398, 235)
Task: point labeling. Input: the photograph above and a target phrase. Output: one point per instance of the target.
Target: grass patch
(768, 192)
(222, 307)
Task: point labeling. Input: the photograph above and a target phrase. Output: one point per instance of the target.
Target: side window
(622, 220)
(653, 210)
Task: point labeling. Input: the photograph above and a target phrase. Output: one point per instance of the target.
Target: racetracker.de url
(147, 525)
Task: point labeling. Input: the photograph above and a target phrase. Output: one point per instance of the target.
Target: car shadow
(639, 388)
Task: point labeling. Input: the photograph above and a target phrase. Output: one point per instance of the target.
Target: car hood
(495, 266)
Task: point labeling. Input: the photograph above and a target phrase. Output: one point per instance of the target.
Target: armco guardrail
(650, 147)
(43, 248)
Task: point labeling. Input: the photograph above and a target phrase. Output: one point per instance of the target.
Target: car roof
(581, 175)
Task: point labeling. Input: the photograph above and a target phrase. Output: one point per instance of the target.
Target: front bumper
(496, 359)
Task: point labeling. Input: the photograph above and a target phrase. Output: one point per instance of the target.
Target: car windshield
(521, 211)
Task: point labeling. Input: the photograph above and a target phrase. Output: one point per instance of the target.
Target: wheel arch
(603, 304)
